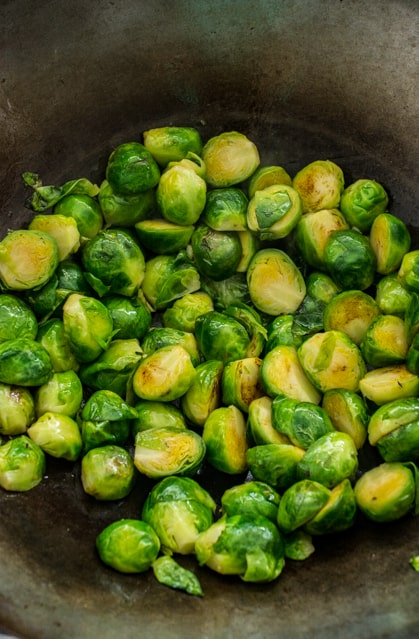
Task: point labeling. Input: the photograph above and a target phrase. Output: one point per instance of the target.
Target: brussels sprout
(88, 326)
(184, 312)
(169, 573)
(155, 415)
(401, 444)
(252, 498)
(225, 210)
(114, 263)
(52, 336)
(85, 210)
(131, 169)
(165, 375)
(275, 283)
(385, 341)
(178, 509)
(71, 279)
(391, 296)
(390, 240)
(298, 545)
(280, 333)
(250, 547)
(302, 422)
(250, 244)
(252, 322)
(300, 503)
(16, 318)
(337, 514)
(330, 459)
(203, 395)
(389, 383)
(414, 562)
(408, 272)
(412, 317)
(266, 176)
(332, 360)
(128, 545)
(240, 383)
(58, 435)
(362, 201)
(125, 210)
(216, 253)
(17, 409)
(112, 370)
(167, 450)
(221, 337)
(351, 312)
(308, 318)
(259, 423)
(348, 413)
(159, 337)
(313, 231)
(24, 362)
(232, 290)
(320, 286)
(22, 464)
(62, 393)
(230, 158)
(96, 432)
(320, 185)
(412, 357)
(163, 237)
(107, 473)
(131, 318)
(274, 211)
(168, 278)
(224, 434)
(350, 260)
(282, 374)
(181, 195)
(28, 258)
(172, 143)
(63, 229)
(394, 429)
(105, 404)
(275, 464)
(386, 492)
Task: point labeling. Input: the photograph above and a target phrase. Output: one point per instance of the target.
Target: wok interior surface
(304, 80)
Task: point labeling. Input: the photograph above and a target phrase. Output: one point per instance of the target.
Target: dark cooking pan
(304, 79)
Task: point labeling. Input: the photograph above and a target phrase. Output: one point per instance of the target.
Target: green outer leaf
(169, 573)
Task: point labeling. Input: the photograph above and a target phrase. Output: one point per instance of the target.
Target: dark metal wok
(305, 79)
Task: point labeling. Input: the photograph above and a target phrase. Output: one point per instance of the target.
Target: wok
(305, 79)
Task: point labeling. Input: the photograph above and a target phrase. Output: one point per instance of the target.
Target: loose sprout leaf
(414, 562)
(169, 573)
(45, 197)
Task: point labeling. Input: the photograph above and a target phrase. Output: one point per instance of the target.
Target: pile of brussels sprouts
(199, 308)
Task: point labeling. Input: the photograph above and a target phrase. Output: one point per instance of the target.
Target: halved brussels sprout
(155, 415)
(274, 211)
(275, 464)
(165, 375)
(282, 375)
(17, 409)
(275, 283)
(204, 394)
(390, 240)
(391, 296)
(168, 278)
(266, 176)
(412, 357)
(28, 258)
(221, 337)
(330, 459)
(320, 286)
(382, 385)
(63, 229)
(230, 158)
(408, 272)
(184, 312)
(337, 514)
(351, 312)
(159, 337)
(62, 393)
(240, 383)
(22, 464)
(402, 444)
(362, 201)
(313, 231)
(108, 473)
(125, 210)
(412, 317)
(348, 412)
(163, 237)
(250, 547)
(17, 319)
(216, 253)
(320, 185)
(128, 545)
(302, 422)
(58, 435)
(394, 429)
(386, 492)
(24, 362)
(85, 210)
(131, 169)
(300, 503)
(172, 143)
(224, 434)
(259, 423)
(252, 498)
(178, 509)
(52, 336)
(332, 360)
(181, 194)
(385, 341)
(250, 244)
(131, 317)
(169, 573)
(88, 326)
(350, 260)
(225, 210)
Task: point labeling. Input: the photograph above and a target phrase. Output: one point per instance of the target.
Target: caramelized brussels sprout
(240, 383)
(164, 375)
(28, 258)
(224, 434)
(204, 394)
(320, 185)
(230, 158)
(259, 423)
(282, 375)
(348, 413)
(390, 240)
(382, 385)
(385, 341)
(313, 231)
(351, 312)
